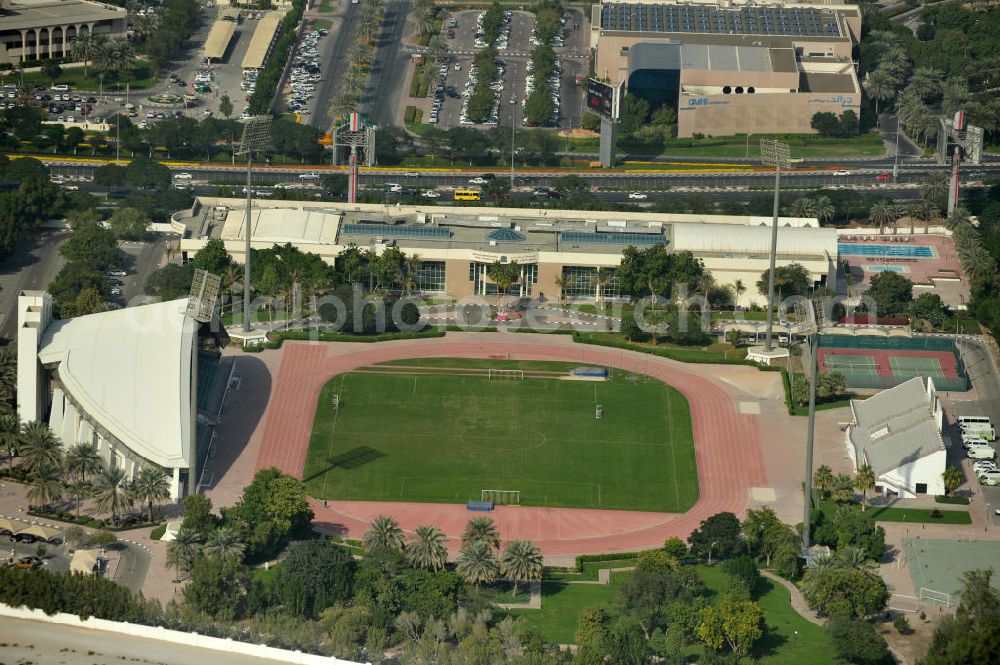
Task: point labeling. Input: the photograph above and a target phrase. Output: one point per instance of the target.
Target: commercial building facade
(558, 251)
(732, 67)
(37, 30)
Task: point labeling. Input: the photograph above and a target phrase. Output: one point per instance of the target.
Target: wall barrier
(175, 636)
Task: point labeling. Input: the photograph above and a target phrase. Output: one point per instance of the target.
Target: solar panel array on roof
(785, 21)
(388, 231)
(613, 238)
(505, 235)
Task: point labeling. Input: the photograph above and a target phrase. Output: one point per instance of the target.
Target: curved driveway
(726, 443)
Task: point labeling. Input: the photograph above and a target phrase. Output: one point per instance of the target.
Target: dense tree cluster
(35, 200)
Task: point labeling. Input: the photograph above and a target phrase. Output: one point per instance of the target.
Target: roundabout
(729, 460)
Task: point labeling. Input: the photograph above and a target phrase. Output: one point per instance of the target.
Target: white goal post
(939, 597)
(509, 374)
(502, 497)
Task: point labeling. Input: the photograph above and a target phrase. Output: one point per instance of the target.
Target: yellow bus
(466, 195)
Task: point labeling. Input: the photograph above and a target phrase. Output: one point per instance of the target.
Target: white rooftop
(130, 370)
(281, 225)
(748, 239)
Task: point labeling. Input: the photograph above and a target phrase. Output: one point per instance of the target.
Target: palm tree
(86, 47)
(820, 565)
(865, 481)
(151, 486)
(952, 478)
(481, 529)
(40, 446)
(384, 534)
(437, 47)
(411, 272)
(925, 82)
(823, 209)
(83, 460)
(45, 485)
(881, 86)
(801, 207)
(882, 213)
(427, 549)
(853, 557)
(10, 436)
(224, 542)
(740, 288)
(111, 493)
(521, 562)
(477, 563)
(78, 489)
(823, 479)
(505, 276)
(602, 277)
(183, 550)
(934, 188)
(565, 283)
(842, 490)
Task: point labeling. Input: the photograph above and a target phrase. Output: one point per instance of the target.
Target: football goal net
(502, 497)
(507, 374)
(939, 597)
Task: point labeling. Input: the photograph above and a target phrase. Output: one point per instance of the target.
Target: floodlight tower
(813, 314)
(777, 155)
(958, 142)
(256, 135)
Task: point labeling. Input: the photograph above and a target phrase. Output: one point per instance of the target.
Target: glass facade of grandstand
(579, 282)
(483, 286)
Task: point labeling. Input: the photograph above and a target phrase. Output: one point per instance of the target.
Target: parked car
(431, 194)
(30, 562)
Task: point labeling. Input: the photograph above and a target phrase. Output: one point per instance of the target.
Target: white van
(992, 478)
(62, 87)
(987, 433)
(980, 452)
(966, 422)
(974, 440)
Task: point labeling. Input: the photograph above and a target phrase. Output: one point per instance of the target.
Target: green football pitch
(441, 430)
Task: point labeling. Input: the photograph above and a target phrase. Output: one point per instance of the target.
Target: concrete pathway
(534, 603)
(799, 603)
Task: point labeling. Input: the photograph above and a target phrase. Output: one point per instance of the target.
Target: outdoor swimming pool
(885, 269)
(909, 251)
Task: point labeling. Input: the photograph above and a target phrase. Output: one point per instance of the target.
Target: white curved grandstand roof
(738, 240)
(130, 371)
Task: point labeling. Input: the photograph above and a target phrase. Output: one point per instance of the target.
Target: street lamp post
(513, 123)
(777, 155)
(256, 135)
(895, 154)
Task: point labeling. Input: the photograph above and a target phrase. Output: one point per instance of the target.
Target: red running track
(727, 448)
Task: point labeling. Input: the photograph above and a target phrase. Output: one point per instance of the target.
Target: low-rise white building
(898, 433)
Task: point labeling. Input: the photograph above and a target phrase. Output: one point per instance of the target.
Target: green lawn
(915, 515)
(444, 438)
(789, 639)
(562, 603)
(142, 78)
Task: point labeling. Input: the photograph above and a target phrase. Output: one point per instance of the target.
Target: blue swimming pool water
(885, 269)
(909, 251)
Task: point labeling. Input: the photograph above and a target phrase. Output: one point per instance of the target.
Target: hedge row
(696, 356)
(955, 500)
(296, 335)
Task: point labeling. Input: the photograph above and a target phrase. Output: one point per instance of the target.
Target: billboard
(602, 98)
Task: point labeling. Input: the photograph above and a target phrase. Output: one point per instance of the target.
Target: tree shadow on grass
(349, 459)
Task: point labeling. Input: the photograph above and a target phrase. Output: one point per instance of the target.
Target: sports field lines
(446, 436)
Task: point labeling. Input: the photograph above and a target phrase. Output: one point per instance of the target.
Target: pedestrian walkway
(799, 603)
(534, 602)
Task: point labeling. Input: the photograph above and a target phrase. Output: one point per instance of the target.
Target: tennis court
(884, 362)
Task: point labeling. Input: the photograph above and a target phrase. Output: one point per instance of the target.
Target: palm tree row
(977, 262)
(478, 562)
(819, 207)
(223, 542)
(79, 472)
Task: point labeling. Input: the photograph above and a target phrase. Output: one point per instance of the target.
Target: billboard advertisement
(602, 98)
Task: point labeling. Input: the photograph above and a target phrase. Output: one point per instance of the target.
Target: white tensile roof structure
(129, 370)
(755, 240)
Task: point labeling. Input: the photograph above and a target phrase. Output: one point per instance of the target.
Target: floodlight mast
(814, 316)
(777, 155)
(256, 135)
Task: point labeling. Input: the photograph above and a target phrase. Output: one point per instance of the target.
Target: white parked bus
(980, 452)
(977, 422)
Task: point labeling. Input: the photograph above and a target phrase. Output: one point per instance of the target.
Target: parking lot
(515, 55)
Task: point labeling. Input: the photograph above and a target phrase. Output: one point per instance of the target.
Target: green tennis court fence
(959, 384)
(891, 343)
